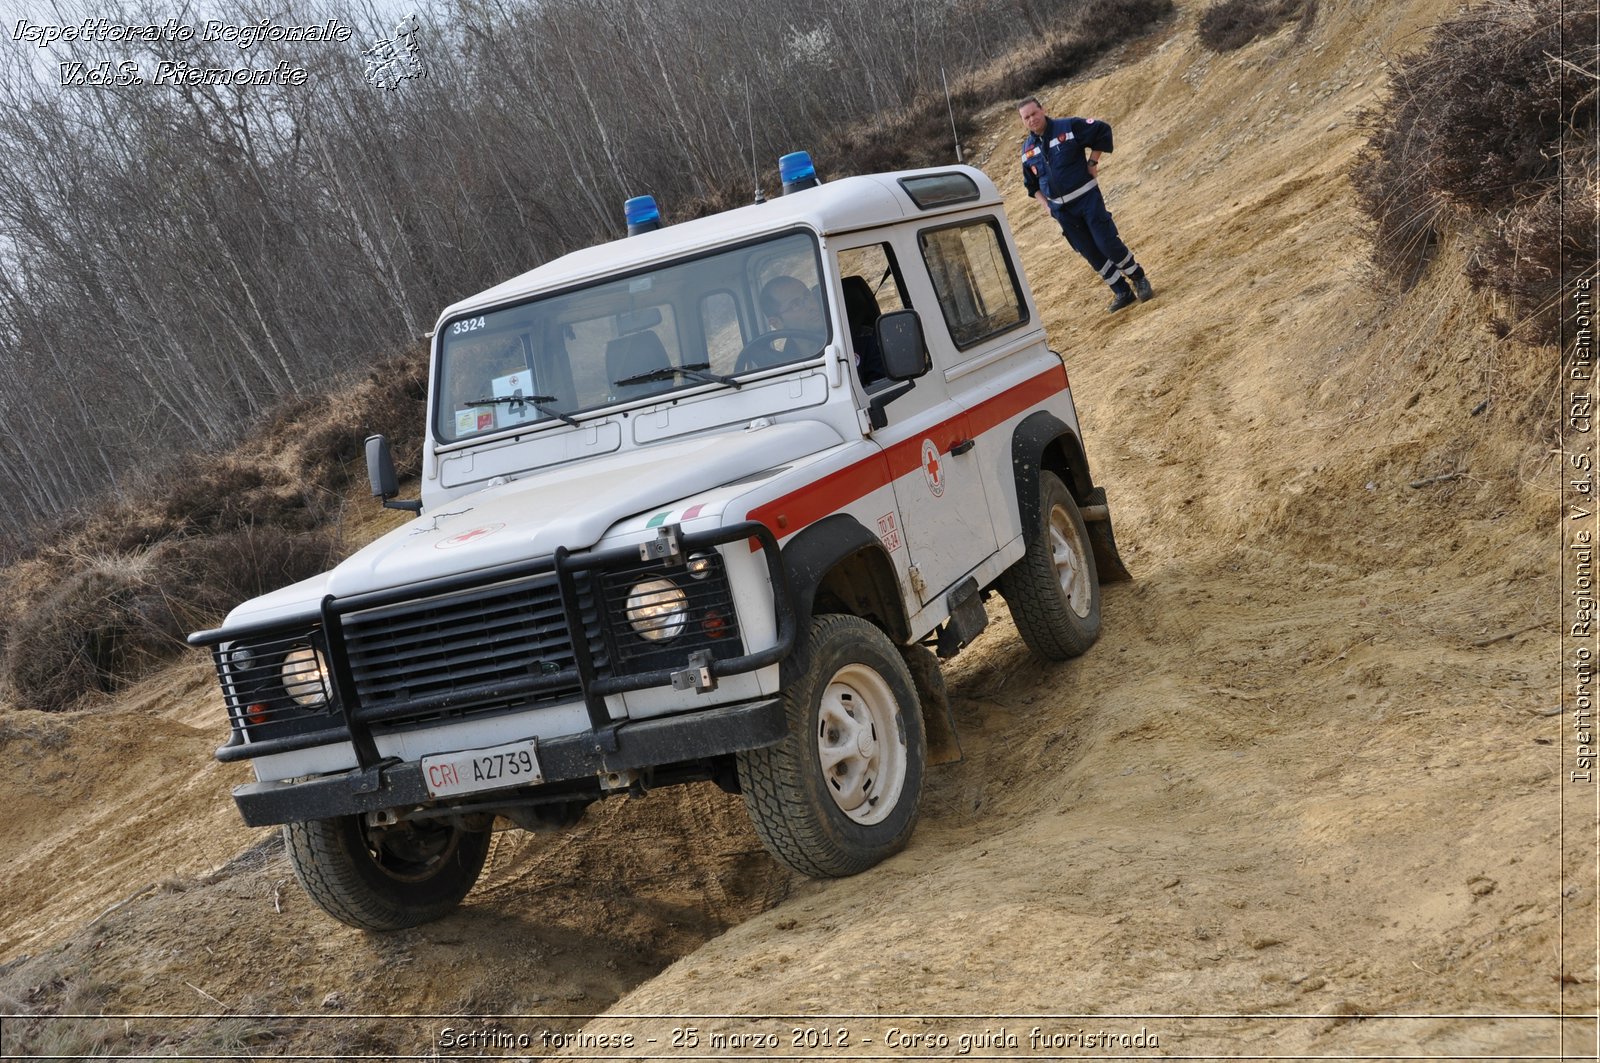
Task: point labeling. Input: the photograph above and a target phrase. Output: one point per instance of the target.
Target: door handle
(962, 447)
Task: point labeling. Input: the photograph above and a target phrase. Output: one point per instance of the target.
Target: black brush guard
(609, 746)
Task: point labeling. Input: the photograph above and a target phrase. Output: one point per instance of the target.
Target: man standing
(1057, 174)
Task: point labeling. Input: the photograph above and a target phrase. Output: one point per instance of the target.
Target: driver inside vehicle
(793, 309)
(790, 304)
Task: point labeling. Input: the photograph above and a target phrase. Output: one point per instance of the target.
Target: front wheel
(1054, 589)
(385, 878)
(840, 792)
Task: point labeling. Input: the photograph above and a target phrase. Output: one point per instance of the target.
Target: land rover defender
(701, 503)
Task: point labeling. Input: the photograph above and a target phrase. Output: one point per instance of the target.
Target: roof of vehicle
(840, 206)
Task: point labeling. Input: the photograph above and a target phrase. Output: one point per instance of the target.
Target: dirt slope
(1306, 783)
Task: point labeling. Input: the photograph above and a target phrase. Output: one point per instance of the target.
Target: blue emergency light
(642, 213)
(797, 172)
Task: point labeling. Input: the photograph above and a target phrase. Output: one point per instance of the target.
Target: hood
(571, 506)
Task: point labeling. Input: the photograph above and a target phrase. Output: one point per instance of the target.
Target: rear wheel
(1054, 590)
(840, 792)
(385, 878)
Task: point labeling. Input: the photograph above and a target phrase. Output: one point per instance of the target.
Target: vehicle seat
(631, 355)
(862, 310)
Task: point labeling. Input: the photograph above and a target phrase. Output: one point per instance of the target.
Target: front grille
(492, 647)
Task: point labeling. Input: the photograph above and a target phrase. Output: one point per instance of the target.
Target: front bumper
(626, 747)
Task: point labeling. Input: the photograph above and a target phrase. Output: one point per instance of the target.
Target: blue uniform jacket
(1057, 161)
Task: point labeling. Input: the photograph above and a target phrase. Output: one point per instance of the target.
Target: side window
(870, 279)
(974, 280)
(719, 323)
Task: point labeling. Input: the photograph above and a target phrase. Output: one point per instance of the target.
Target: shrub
(213, 573)
(116, 618)
(1235, 23)
(1490, 124)
(103, 624)
(1097, 26)
(390, 401)
(216, 494)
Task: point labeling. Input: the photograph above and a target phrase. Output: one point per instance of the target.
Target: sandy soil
(1303, 798)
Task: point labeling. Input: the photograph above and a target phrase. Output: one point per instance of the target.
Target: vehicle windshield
(726, 314)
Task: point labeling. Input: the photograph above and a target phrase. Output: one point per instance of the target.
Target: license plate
(471, 770)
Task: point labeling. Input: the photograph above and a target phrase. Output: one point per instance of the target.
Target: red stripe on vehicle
(1014, 400)
(831, 493)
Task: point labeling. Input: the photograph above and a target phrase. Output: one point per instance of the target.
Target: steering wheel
(750, 355)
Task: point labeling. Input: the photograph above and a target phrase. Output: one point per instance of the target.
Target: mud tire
(398, 877)
(1053, 590)
(800, 792)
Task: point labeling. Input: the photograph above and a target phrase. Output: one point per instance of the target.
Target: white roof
(840, 206)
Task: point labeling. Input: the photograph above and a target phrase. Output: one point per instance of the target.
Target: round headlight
(658, 609)
(305, 677)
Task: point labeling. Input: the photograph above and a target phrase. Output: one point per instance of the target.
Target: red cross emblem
(471, 535)
(930, 468)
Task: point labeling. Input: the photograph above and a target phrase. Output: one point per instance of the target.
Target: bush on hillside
(115, 618)
(1235, 23)
(102, 624)
(212, 574)
(1490, 124)
(1096, 27)
(120, 587)
(206, 494)
(326, 436)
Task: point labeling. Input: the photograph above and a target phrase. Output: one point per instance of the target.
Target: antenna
(951, 108)
(755, 174)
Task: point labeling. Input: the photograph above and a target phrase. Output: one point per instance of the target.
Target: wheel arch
(837, 566)
(1042, 442)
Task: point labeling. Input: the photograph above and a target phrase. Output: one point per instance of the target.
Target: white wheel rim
(1068, 557)
(860, 744)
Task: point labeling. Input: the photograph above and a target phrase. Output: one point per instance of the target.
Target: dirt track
(1309, 774)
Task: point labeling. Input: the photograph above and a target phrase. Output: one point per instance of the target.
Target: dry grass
(1490, 126)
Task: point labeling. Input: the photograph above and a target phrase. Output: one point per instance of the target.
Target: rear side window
(974, 279)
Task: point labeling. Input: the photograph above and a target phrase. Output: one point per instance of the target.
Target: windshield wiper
(692, 370)
(519, 400)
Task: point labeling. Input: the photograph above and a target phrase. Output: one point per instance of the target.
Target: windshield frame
(670, 390)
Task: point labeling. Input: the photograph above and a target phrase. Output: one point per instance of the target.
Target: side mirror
(900, 341)
(380, 471)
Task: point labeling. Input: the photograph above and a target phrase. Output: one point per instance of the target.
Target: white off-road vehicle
(695, 505)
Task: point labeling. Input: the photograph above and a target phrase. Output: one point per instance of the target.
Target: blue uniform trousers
(1087, 225)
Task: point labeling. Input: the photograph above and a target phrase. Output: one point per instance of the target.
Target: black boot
(1123, 300)
(1141, 286)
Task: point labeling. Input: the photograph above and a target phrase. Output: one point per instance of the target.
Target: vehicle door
(990, 353)
(943, 527)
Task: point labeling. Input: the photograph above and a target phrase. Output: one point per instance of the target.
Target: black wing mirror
(900, 341)
(380, 470)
